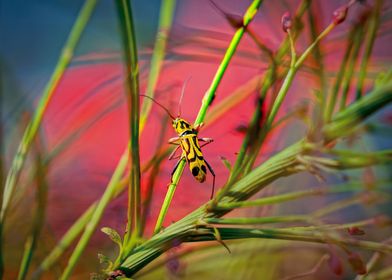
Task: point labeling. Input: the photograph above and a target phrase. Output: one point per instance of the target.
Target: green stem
(206, 102)
(339, 78)
(133, 229)
(346, 121)
(259, 220)
(168, 198)
(158, 55)
(288, 197)
(348, 75)
(33, 126)
(39, 218)
(374, 23)
(206, 234)
(95, 218)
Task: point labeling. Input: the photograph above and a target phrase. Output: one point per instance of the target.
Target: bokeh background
(85, 129)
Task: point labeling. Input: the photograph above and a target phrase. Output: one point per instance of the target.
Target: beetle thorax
(181, 126)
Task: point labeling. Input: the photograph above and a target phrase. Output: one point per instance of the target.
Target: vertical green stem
(358, 37)
(165, 23)
(39, 218)
(206, 101)
(34, 124)
(374, 23)
(168, 198)
(132, 91)
(335, 89)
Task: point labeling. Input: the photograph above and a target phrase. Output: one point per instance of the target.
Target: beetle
(188, 141)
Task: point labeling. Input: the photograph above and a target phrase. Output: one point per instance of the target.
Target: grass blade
(132, 92)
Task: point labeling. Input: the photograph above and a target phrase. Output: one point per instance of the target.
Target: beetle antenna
(182, 95)
(160, 105)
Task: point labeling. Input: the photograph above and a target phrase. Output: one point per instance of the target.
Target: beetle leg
(213, 178)
(171, 156)
(175, 168)
(174, 140)
(198, 126)
(206, 140)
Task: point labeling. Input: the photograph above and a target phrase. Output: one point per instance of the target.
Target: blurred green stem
(158, 55)
(39, 217)
(348, 74)
(206, 234)
(289, 196)
(258, 220)
(371, 34)
(339, 77)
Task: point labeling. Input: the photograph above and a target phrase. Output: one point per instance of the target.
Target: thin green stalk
(154, 172)
(133, 229)
(206, 102)
(346, 121)
(33, 126)
(95, 218)
(336, 206)
(258, 220)
(168, 198)
(326, 227)
(158, 55)
(348, 75)
(206, 234)
(339, 77)
(288, 197)
(318, 54)
(38, 220)
(371, 33)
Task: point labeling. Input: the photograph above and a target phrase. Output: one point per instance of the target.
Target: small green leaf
(219, 239)
(113, 235)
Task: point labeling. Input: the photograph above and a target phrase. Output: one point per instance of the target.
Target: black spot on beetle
(203, 167)
(195, 171)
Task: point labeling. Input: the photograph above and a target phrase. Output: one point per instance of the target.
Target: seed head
(286, 21)
(339, 15)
